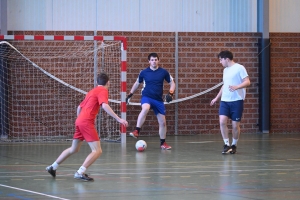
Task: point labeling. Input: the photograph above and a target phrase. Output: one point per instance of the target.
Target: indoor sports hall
(52, 51)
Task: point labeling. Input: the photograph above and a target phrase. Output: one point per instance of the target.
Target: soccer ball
(141, 145)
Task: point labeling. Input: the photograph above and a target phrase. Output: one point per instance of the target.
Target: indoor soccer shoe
(233, 151)
(226, 149)
(134, 134)
(51, 171)
(165, 146)
(83, 177)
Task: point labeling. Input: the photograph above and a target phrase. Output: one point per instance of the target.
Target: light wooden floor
(265, 167)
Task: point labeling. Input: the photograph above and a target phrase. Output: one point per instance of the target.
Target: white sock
(234, 141)
(81, 170)
(226, 141)
(55, 165)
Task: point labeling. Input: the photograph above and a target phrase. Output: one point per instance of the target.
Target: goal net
(43, 82)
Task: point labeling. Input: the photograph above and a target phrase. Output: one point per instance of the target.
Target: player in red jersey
(85, 128)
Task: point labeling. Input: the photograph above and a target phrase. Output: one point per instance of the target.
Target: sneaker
(226, 149)
(51, 171)
(83, 177)
(233, 147)
(165, 146)
(134, 134)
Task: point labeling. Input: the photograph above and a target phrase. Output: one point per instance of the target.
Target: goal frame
(123, 64)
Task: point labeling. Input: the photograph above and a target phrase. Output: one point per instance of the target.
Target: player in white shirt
(232, 95)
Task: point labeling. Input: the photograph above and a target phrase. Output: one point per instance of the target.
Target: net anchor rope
(181, 99)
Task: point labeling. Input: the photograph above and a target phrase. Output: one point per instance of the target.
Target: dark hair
(225, 54)
(102, 79)
(154, 55)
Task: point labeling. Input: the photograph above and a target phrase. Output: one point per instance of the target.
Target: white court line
(32, 192)
(199, 142)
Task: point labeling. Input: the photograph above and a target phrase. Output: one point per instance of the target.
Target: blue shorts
(233, 110)
(156, 106)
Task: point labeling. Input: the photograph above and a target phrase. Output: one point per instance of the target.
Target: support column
(264, 65)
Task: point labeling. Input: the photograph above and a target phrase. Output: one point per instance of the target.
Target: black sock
(162, 141)
(138, 129)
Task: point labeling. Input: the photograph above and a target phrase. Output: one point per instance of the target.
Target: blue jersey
(153, 82)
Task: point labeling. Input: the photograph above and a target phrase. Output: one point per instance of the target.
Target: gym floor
(264, 167)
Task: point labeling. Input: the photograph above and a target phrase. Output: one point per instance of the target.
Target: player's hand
(169, 97)
(128, 97)
(213, 101)
(124, 122)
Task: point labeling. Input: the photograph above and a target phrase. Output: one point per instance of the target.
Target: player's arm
(217, 97)
(169, 96)
(109, 111)
(244, 84)
(172, 86)
(133, 89)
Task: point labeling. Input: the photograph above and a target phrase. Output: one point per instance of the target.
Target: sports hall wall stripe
(123, 65)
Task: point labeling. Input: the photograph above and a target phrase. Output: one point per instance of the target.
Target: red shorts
(86, 131)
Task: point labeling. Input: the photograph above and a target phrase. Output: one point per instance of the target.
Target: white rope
(179, 100)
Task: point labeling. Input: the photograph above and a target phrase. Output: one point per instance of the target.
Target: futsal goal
(44, 78)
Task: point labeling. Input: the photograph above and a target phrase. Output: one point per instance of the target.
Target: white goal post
(43, 78)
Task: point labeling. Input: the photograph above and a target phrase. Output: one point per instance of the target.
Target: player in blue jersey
(153, 78)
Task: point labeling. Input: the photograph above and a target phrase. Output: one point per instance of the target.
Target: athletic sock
(226, 141)
(234, 141)
(138, 129)
(162, 141)
(81, 170)
(55, 165)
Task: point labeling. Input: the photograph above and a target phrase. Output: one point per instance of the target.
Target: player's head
(153, 60)
(225, 58)
(153, 55)
(225, 54)
(102, 79)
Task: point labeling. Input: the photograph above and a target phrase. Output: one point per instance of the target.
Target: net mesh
(43, 82)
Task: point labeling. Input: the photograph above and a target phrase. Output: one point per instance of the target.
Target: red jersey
(91, 104)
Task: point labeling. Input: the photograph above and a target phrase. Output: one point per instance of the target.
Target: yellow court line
(280, 173)
(165, 176)
(243, 174)
(185, 176)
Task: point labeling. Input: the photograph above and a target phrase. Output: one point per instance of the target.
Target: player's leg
(76, 144)
(94, 155)
(90, 135)
(160, 112)
(146, 105)
(237, 112)
(162, 131)
(235, 135)
(224, 128)
(224, 113)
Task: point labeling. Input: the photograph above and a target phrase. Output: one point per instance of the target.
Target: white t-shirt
(233, 75)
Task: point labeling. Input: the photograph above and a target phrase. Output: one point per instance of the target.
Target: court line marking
(199, 142)
(33, 192)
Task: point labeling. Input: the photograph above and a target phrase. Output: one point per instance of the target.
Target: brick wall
(285, 82)
(199, 69)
